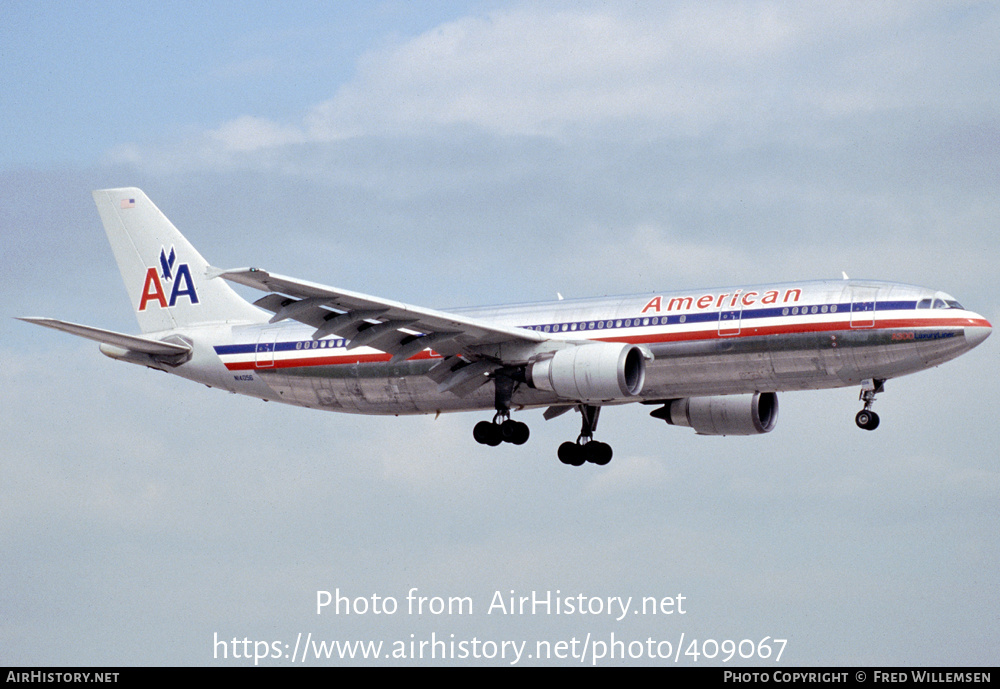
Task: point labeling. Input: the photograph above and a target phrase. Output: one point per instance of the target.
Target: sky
(468, 153)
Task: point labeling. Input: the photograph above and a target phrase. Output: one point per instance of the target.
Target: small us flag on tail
(128, 203)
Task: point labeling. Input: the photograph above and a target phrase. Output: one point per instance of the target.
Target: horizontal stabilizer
(129, 342)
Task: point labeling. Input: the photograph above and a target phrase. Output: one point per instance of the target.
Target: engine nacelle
(593, 372)
(724, 414)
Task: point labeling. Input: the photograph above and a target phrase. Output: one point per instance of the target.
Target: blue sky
(80, 75)
(450, 154)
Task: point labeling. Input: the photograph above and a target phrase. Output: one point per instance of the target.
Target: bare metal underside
(811, 361)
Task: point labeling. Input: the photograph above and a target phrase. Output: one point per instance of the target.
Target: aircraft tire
(520, 433)
(868, 420)
(514, 432)
(487, 433)
(572, 454)
(598, 453)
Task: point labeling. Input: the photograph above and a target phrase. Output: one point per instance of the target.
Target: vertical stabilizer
(164, 275)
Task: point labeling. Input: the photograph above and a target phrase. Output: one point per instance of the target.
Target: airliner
(709, 359)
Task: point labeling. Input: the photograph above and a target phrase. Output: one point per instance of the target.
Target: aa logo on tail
(178, 279)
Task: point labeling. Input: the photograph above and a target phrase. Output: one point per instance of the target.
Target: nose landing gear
(866, 418)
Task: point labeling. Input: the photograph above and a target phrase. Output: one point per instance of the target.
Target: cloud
(248, 133)
(521, 72)
(686, 70)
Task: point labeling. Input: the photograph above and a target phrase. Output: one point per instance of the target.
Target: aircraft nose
(975, 334)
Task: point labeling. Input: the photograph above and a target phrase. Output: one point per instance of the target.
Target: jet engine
(723, 414)
(593, 372)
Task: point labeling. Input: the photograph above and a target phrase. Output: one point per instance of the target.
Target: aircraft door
(729, 322)
(265, 349)
(863, 306)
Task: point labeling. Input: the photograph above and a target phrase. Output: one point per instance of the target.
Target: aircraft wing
(400, 329)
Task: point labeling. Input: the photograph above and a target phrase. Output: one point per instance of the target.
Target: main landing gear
(866, 418)
(502, 429)
(586, 449)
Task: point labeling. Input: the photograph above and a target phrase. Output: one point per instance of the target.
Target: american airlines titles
(738, 298)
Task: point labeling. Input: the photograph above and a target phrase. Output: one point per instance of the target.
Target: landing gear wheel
(494, 432)
(597, 452)
(502, 429)
(514, 432)
(571, 454)
(487, 433)
(586, 449)
(868, 420)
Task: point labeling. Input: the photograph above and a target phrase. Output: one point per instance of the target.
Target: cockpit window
(942, 302)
